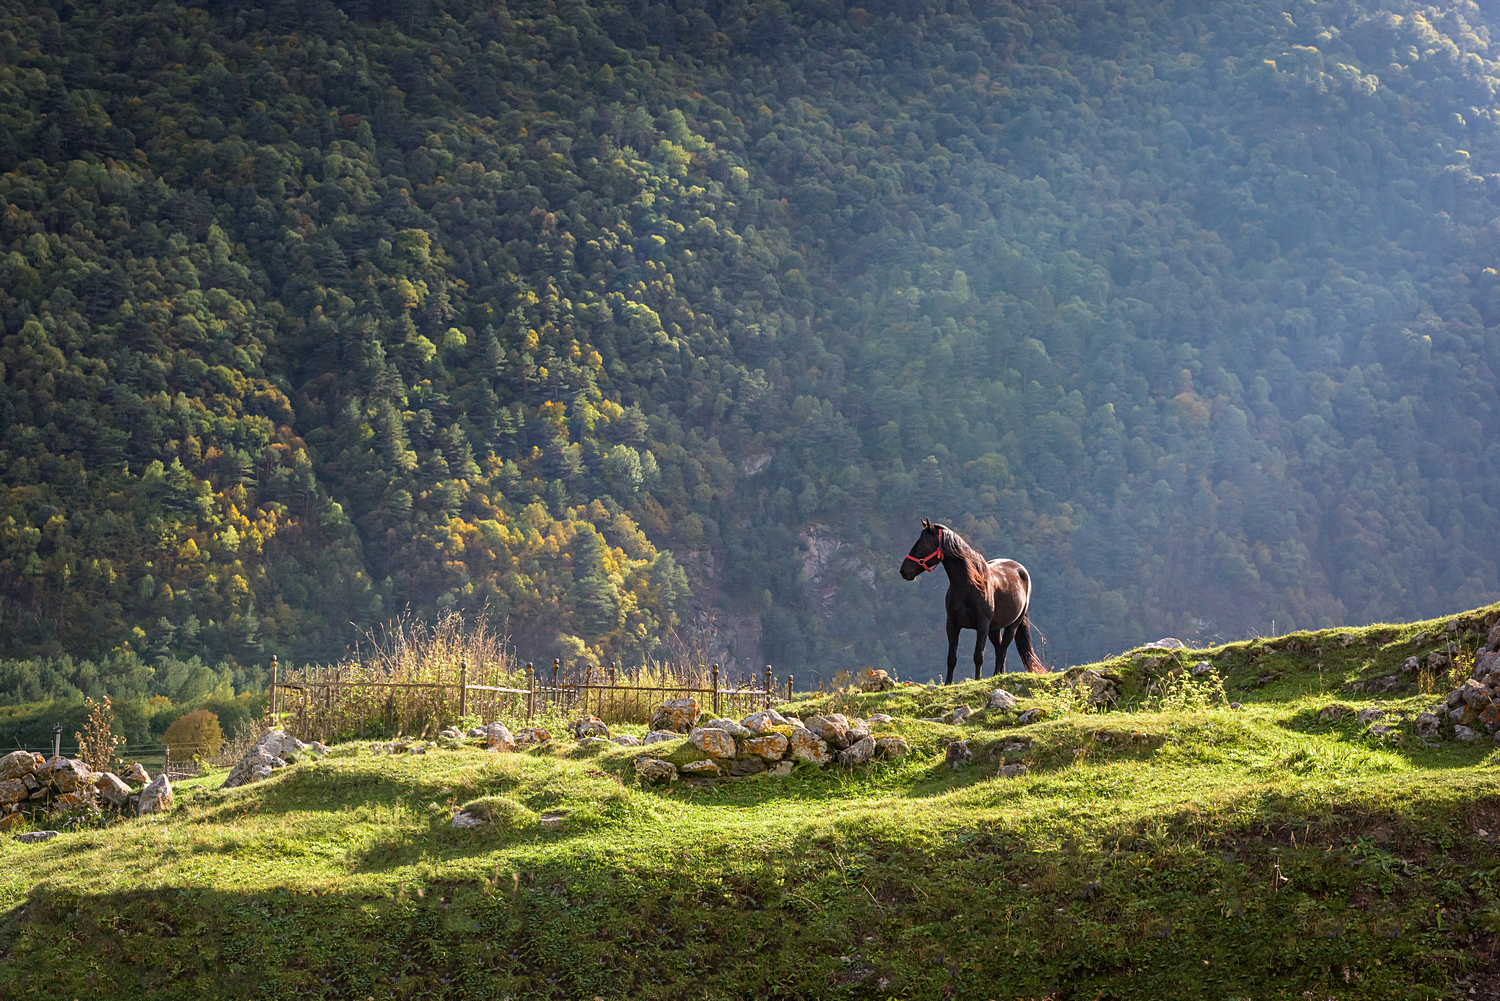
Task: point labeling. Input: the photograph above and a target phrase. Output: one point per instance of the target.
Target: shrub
(196, 733)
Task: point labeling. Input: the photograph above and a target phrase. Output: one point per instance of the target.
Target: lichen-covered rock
(742, 767)
(464, 819)
(763, 721)
(957, 716)
(781, 769)
(808, 746)
(136, 773)
(69, 774)
(772, 746)
(1001, 699)
(657, 736)
(655, 770)
(1410, 665)
(589, 726)
(1099, 688)
(450, 733)
(499, 738)
(33, 837)
(858, 753)
(1370, 715)
(1031, 716)
(68, 800)
(13, 791)
(730, 727)
(1202, 667)
(530, 736)
(594, 743)
(112, 790)
(256, 764)
(626, 740)
(1465, 735)
(833, 730)
(677, 715)
(699, 769)
(156, 797)
(1335, 712)
(890, 747)
(1429, 726)
(279, 743)
(872, 680)
(958, 754)
(1014, 771)
(876, 718)
(1476, 695)
(18, 763)
(712, 741)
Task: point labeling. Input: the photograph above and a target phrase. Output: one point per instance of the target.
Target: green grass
(1197, 852)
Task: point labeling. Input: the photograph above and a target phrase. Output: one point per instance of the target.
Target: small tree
(97, 742)
(196, 733)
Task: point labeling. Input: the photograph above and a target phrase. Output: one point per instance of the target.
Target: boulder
(594, 743)
(450, 733)
(589, 726)
(1165, 643)
(808, 746)
(957, 716)
(1031, 716)
(1476, 695)
(1368, 716)
(157, 796)
(833, 730)
(878, 718)
(657, 736)
(1334, 713)
(34, 837)
(890, 747)
(772, 746)
(781, 769)
(1001, 699)
(858, 753)
(68, 800)
(477, 731)
(958, 754)
(1429, 726)
(713, 742)
(699, 768)
(13, 791)
(499, 738)
(1410, 665)
(871, 680)
(18, 763)
(1099, 689)
(1465, 735)
(279, 743)
(763, 721)
(317, 747)
(1464, 715)
(1014, 771)
(742, 767)
(627, 740)
(677, 715)
(655, 770)
(529, 736)
(135, 774)
(730, 727)
(112, 790)
(1201, 668)
(256, 764)
(464, 819)
(1491, 716)
(69, 774)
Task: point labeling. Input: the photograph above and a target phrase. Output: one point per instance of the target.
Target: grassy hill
(1173, 847)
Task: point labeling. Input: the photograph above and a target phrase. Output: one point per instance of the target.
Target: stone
(589, 726)
(1463, 715)
(878, 718)
(871, 680)
(477, 731)
(13, 791)
(112, 790)
(256, 764)
(1031, 716)
(1465, 735)
(657, 736)
(530, 736)
(763, 721)
(858, 753)
(958, 754)
(833, 730)
(69, 800)
(552, 821)
(1334, 713)
(278, 743)
(1491, 716)
(157, 796)
(1236, 706)
(35, 837)
(499, 738)
(742, 767)
(730, 727)
(12, 820)
(677, 715)
(135, 773)
(1493, 639)
(465, 819)
(317, 747)
(1368, 716)
(713, 742)
(450, 733)
(1165, 643)
(781, 769)
(18, 763)
(699, 768)
(1001, 699)
(70, 775)
(1386, 732)
(627, 740)
(655, 770)
(957, 716)
(808, 746)
(772, 746)
(1101, 689)
(1476, 695)
(594, 743)
(890, 747)
(1486, 666)
(1014, 771)
(1428, 725)
(1410, 665)
(1201, 668)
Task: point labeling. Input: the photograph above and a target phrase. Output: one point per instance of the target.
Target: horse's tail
(1029, 658)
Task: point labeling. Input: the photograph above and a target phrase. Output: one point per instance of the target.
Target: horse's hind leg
(952, 649)
(1002, 646)
(979, 654)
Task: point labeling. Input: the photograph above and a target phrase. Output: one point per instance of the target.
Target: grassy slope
(1138, 867)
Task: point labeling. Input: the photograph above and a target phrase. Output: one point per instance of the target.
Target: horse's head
(926, 553)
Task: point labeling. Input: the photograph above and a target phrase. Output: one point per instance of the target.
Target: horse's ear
(926, 524)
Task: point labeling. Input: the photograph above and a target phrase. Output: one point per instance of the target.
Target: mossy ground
(1171, 848)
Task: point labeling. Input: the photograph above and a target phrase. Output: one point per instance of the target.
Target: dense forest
(600, 319)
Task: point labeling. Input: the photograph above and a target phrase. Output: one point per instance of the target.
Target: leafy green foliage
(527, 313)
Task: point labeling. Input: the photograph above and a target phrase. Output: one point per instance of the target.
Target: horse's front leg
(980, 636)
(952, 649)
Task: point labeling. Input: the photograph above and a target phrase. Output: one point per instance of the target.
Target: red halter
(936, 556)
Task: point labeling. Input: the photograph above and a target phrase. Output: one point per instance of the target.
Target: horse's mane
(955, 545)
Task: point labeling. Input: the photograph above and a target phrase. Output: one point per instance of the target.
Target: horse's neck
(964, 564)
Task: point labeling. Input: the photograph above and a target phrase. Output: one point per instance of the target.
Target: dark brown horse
(989, 596)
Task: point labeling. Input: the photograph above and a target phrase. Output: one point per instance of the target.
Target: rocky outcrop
(272, 752)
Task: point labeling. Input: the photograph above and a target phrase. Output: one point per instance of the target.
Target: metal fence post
(463, 689)
(715, 673)
(271, 705)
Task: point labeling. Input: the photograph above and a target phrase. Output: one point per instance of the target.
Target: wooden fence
(309, 705)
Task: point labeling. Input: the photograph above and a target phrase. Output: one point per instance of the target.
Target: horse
(988, 596)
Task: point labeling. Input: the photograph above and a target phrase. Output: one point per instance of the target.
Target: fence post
(715, 673)
(463, 689)
(271, 705)
(768, 686)
(530, 691)
(789, 688)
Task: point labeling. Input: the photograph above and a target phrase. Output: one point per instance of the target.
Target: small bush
(194, 734)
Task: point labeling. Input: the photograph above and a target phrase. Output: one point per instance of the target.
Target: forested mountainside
(585, 317)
